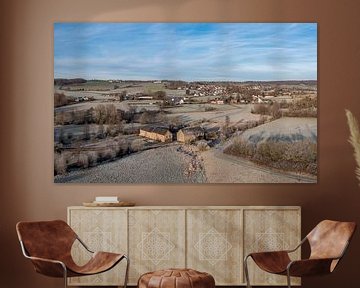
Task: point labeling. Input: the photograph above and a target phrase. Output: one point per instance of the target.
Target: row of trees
(101, 114)
(305, 107)
(63, 81)
(299, 156)
(60, 99)
(110, 115)
(80, 158)
(273, 110)
(90, 132)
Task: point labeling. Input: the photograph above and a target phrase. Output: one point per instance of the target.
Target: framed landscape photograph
(185, 103)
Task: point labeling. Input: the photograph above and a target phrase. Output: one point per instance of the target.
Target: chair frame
(26, 255)
(288, 276)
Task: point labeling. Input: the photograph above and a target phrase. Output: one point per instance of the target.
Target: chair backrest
(329, 239)
(46, 239)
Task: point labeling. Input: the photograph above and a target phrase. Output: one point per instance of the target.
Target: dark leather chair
(48, 245)
(328, 242)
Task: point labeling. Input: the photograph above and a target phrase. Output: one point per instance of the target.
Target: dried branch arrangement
(354, 140)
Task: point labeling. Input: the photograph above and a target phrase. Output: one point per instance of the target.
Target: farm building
(219, 102)
(188, 135)
(161, 134)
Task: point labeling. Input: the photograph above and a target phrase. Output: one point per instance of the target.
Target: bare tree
(111, 114)
(101, 132)
(100, 114)
(137, 145)
(87, 135)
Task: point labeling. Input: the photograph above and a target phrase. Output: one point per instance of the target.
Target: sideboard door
(214, 244)
(270, 230)
(156, 240)
(101, 230)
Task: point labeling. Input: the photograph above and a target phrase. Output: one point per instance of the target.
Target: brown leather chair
(328, 242)
(48, 245)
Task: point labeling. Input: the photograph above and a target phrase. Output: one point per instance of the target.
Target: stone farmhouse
(188, 135)
(161, 134)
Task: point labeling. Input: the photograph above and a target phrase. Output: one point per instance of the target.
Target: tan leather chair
(48, 245)
(328, 242)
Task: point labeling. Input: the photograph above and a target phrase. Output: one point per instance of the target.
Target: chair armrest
(45, 260)
(271, 261)
(84, 245)
(280, 251)
(298, 246)
(309, 267)
(268, 254)
(48, 267)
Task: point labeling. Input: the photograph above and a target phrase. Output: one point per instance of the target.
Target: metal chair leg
(65, 275)
(246, 270)
(126, 271)
(288, 278)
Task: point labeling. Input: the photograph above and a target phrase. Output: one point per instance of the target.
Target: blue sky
(186, 51)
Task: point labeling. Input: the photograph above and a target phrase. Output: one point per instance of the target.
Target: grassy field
(164, 165)
(195, 113)
(285, 129)
(289, 144)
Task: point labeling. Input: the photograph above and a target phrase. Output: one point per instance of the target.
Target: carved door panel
(157, 240)
(214, 244)
(270, 230)
(101, 230)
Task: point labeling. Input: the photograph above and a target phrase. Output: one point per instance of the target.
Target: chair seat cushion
(176, 278)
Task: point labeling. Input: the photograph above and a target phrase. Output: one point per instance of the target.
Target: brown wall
(26, 162)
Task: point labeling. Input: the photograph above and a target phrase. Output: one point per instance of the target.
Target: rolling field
(236, 113)
(284, 129)
(162, 165)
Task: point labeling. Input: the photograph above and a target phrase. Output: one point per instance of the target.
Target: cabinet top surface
(192, 207)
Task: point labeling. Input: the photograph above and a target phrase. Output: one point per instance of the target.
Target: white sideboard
(211, 239)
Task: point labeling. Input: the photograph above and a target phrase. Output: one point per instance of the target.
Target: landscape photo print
(185, 103)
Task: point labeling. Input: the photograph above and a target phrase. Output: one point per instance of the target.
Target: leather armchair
(48, 245)
(328, 242)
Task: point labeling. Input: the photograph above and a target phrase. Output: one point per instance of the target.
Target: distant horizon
(213, 52)
(148, 80)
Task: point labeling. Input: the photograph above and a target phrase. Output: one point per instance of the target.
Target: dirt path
(222, 168)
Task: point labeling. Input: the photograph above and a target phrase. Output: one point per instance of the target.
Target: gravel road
(162, 165)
